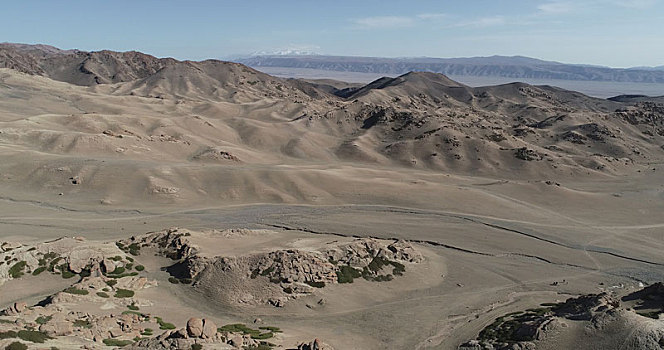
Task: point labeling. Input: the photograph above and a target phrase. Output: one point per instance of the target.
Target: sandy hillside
(513, 195)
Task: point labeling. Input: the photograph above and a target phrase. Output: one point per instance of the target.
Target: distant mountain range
(516, 67)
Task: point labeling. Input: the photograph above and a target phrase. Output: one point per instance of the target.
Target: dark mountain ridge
(516, 67)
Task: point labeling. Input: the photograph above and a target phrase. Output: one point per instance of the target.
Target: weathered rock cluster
(295, 272)
(521, 330)
(106, 276)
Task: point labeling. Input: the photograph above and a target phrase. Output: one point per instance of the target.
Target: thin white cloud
(636, 4)
(432, 16)
(556, 7)
(384, 22)
(484, 22)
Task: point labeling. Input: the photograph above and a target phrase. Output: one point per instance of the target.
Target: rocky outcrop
(314, 345)
(14, 309)
(606, 321)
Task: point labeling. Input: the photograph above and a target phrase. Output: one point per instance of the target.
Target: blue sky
(604, 32)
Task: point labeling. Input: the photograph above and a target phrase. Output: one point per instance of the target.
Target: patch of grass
(134, 249)
(238, 328)
(129, 266)
(127, 274)
(164, 325)
(377, 264)
(54, 263)
(173, 280)
(271, 329)
(118, 271)
(16, 346)
(196, 346)
(82, 324)
(33, 336)
(147, 332)
(116, 342)
(140, 267)
(115, 258)
(74, 290)
(8, 335)
(131, 312)
(262, 336)
(129, 258)
(85, 272)
(504, 328)
(254, 333)
(133, 307)
(67, 274)
(399, 269)
(43, 319)
(111, 283)
(123, 293)
(346, 274)
(16, 271)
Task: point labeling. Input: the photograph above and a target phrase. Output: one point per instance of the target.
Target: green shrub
(115, 258)
(118, 271)
(262, 336)
(196, 347)
(132, 307)
(173, 280)
(124, 293)
(164, 325)
(53, 264)
(102, 294)
(271, 329)
(242, 328)
(134, 249)
(39, 270)
(147, 332)
(346, 274)
(33, 336)
(67, 274)
(16, 271)
(111, 283)
(117, 342)
(74, 290)
(127, 274)
(140, 267)
(16, 346)
(8, 335)
(43, 319)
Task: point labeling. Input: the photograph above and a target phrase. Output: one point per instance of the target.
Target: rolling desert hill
(508, 216)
